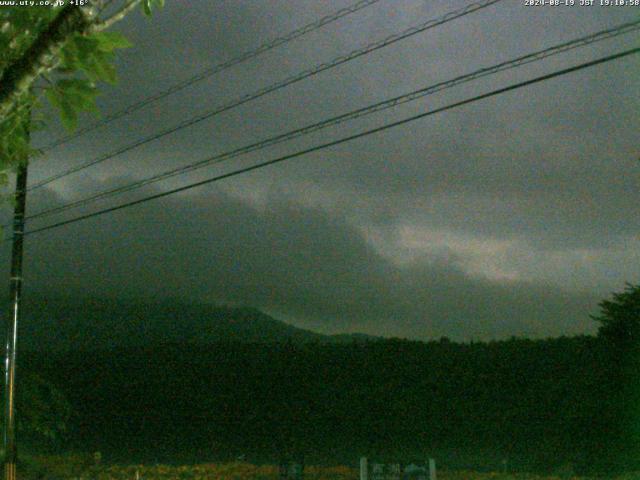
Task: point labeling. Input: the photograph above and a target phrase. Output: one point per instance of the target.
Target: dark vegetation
(539, 404)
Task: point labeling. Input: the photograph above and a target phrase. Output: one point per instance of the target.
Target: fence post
(432, 469)
(364, 468)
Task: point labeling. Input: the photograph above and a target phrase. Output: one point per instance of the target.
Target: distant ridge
(352, 337)
(59, 323)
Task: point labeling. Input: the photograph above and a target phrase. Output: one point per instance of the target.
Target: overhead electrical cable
(339, 141)
(277, 86)
(215, 69)
(383, 105)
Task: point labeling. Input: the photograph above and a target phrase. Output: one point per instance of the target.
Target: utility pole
(15, 291)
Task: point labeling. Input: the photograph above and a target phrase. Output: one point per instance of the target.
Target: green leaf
(99, 67)
(86, 47)
(68, 113)
(94, 55)
(146, 7)
(72, 96)
(79, 93)
(109, 41)
(69, 55)
(149, 5)
(79, 86)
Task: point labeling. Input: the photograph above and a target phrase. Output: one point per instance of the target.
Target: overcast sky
(511, 216)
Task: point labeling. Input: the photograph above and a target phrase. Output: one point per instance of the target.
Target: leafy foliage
(92, 56)
(19, 27)
(70, 84)
(42, 411)
(620, 317)
(619, 331)
(149, 5)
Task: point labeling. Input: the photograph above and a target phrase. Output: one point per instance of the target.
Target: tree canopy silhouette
(619, 317)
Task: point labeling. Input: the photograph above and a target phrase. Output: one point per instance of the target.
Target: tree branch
(42, 55)
(19, 75)
(116, 17)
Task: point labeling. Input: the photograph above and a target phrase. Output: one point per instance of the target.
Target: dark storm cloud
(302, 264)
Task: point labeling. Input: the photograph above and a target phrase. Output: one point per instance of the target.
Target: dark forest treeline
(540, 404)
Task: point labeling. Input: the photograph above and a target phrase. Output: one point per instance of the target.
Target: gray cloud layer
(302, 264)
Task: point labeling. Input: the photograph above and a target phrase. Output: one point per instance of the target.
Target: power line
(380, 106)
(343, 140)
(277, 86)
(215, 69)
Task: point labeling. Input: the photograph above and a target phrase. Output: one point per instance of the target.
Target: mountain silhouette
(58, 323)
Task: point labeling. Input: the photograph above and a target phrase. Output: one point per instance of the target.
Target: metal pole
(364, 469)
(432, 469)
(15, 290)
